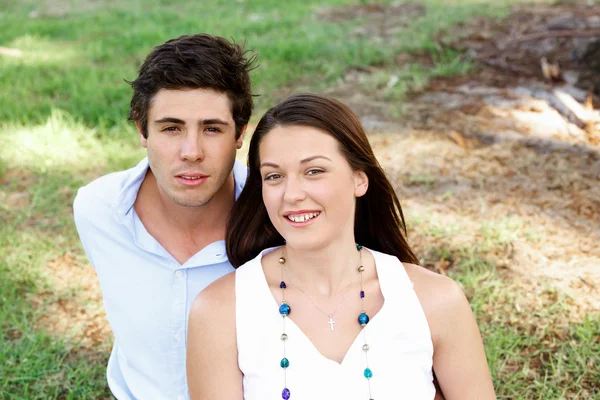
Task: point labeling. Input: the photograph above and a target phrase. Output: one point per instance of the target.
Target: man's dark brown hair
(195, 62)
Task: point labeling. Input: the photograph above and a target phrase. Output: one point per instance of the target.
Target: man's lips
(191, 179)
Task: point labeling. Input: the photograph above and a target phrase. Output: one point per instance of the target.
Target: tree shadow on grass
(37, 364)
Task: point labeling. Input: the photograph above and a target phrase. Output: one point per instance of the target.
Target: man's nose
(191, 147)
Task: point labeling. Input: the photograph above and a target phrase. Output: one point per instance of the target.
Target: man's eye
(171, 129)
(213, 129)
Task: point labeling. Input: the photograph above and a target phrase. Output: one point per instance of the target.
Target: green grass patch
(75, 55)
(34, 363)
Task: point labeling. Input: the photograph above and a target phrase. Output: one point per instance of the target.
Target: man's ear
(240, 141)
(361, 183)
(143, 140)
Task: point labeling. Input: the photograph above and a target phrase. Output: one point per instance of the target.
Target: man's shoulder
(100, 193)
(101, 197)
(104, 189)
(104, 193)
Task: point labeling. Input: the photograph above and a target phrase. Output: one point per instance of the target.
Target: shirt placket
(178, 316)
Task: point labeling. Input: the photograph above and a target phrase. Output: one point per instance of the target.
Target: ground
(499, 184)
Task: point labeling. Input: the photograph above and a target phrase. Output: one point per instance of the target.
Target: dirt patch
(375, 19)
(73, 304)
(532, 41)
(501, 144)
(538, 211)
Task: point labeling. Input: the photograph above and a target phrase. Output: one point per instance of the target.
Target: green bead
(368, 373)
(359, 247)
(284, 363)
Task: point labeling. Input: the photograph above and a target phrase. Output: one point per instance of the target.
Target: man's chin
(191, 202)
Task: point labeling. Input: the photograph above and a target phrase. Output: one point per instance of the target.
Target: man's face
(191, 144)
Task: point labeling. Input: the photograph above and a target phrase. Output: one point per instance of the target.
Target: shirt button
(178, 274)
(178, 336)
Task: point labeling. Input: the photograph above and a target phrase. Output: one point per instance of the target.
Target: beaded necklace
(363, 320)
(331, 321)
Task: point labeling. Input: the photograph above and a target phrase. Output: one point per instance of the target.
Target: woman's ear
(361, 183)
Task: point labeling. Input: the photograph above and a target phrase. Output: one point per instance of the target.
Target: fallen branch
(559, 105)
(558, 34)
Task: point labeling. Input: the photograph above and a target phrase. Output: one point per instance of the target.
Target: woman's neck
(323, 271)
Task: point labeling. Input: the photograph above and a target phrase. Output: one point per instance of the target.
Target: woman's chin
(306, 243)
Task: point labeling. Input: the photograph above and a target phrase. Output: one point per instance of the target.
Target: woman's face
(309, 189)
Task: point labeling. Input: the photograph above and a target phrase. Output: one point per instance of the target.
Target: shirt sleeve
(83, 214)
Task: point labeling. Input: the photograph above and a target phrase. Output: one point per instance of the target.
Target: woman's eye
(272, 177)
(314, 171)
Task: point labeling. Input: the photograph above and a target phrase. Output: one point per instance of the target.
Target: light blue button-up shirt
(147, 293)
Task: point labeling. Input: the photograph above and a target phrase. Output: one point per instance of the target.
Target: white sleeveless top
(400, 354)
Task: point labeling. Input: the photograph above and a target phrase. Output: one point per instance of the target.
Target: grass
(63, 104)
(76, 54)
(536, 347)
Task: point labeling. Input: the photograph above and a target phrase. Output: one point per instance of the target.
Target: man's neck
(181, 230)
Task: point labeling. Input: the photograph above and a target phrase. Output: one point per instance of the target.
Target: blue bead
(363, 319)
(284, 309)
(362, 294)
(285, 395)
(284, 363)
(282, 285)
(359, 247)
(368, 373)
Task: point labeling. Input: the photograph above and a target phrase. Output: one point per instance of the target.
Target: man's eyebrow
(212, 121)
(304, 161)
(171, 120)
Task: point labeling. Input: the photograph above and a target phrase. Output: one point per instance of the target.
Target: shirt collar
(126, 198)
(240, 174)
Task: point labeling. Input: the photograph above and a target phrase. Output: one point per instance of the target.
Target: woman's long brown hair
(378, 222)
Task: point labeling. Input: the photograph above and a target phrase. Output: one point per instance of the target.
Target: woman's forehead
(296, 143)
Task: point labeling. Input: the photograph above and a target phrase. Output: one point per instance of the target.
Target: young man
(155, 233)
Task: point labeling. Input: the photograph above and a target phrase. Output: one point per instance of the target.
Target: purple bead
(282, 285)
(285, 395)
(362, 294)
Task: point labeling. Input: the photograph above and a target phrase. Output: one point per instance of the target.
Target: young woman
(328, 301)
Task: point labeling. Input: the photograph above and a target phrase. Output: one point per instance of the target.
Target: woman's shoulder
(431, 284)
(219, 296)
(442, 298)
(216, 298)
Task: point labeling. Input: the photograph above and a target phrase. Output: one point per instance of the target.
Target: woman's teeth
(302, 217)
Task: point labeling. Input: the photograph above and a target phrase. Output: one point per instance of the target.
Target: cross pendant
(331, 322)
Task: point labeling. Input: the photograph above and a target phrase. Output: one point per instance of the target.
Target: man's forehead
(196, 104)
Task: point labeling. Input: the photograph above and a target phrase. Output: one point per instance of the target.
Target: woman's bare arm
(459, 357)
(212, 366)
